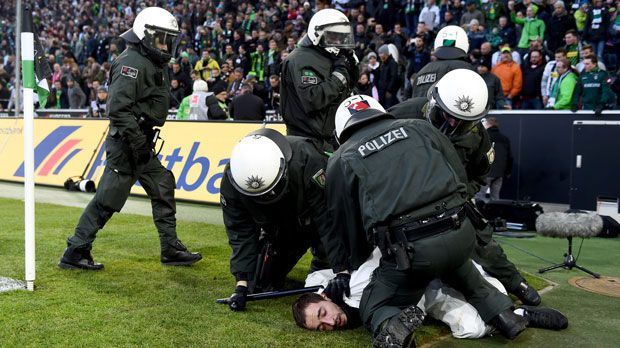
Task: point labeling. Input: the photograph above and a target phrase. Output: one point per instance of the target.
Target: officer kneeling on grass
(273, 202)
(399, 185)
(137, 102)
(450, 109)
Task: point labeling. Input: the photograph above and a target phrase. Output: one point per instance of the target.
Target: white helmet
(353, 112)
(258, 164)
(154, 26)
(200, 85)
(457, 101)
(331, 30)
(451, 43)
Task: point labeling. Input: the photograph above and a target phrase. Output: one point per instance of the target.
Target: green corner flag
(35, 69)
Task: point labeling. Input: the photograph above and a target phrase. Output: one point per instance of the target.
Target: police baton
(274, 294)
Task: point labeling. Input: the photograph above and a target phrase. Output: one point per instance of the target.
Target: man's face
(503, 21)
(419, 42)
(205, 55)
(324, 316)
(482, 69)
(585, 52)
(535, 57)
(448, 16)
(560, 68)
(559, 56)
(379, 29)
(506, 57)
(274, 82)
(557, 9)
(102, 95)
(176, 67)
(174, 84)
(570, 39)
(485, 48)
(588, 64)
(383, 56)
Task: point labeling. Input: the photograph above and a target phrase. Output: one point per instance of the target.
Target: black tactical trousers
(444, 256)
(113, 190)
(488, 254)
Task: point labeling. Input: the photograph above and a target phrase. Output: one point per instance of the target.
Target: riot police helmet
(354, 112)
(457, 102)
(157, 30)
(258, 165)
(330, 29)
(451, 42)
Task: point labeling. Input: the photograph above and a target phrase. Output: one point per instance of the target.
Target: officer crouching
(404, 186)
(138, 102)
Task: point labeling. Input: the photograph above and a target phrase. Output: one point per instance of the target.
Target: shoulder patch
(319, 178)
(129, 71)
(309, 80)
(381, 142)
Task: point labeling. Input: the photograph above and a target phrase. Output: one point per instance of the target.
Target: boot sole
(181, 263)
(70, 266)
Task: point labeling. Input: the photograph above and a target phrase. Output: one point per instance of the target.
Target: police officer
(405, 189)
(317, 76)
(451, 47)
(592, 90)
(471, 142)
(138, 101)
(274, 184)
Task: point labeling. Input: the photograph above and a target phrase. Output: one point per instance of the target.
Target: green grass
(137, 302)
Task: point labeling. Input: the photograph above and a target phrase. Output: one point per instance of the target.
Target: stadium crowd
(534, 54)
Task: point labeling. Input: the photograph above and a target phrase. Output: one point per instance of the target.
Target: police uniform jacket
(473, 148)
(386, 169)
(138, 97)
(310, 94)
(433, 72)
(301, 210)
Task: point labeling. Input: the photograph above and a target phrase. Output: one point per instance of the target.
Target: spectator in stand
(418, 56)
(273, 62)
(365, 87)
(77, 98)
(592, 91)
(258, 63)
(387, 84)
(448, 19)
(533, 28)
(497, 56)
(234, 87)
(501, 167)
(493, 10)
(573, 47)
(561, 95)
(533, 68)
(587, 50)
(185, 82)
(373, 67)
(430, 15)
(412, 11)
(597, 25)
(507, 32)
(559, 24)
(177, 93)
(398, 38)
(455, 7)
(510, 75)
(472, 13)
(272, 102)
(5, 95)
(379, 37)
(475, 34)
(581, 16)
(205, 65)
(243, 59)
(58, 98)
(486, 54)
(247, 106)
(494, 86)
(550, 74)
(98, 106)
(216, 80)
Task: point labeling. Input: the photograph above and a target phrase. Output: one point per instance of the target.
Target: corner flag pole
(27, 51)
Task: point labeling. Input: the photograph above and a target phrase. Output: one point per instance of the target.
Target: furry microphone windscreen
(562, 225)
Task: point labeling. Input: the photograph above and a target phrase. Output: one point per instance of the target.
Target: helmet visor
(162, 39)
(339, 36)
(447, 124)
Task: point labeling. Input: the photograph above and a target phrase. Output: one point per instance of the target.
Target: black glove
(598, 110)
(353, 65)
(338, 286)
(236, 302)
(142, 153)
(341, 66)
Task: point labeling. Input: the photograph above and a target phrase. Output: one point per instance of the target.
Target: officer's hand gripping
(341, 70)
(338, 286)
(237, 300)
(598, 110)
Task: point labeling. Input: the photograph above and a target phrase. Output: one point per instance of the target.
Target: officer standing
(472, 144)
(406, 190)
(272, 197)
(592, 88)
(451, 47)
(138, 101)
(317, 76)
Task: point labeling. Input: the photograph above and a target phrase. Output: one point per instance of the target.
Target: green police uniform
(399, 175)
(293, 223)
(433, 72)
(473, 149)
(593, 90)
(138, 101)
(310, 93)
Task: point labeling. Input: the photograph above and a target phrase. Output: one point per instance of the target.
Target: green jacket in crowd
(258, 65)
(593, 90)
(562, 90)
(533, 28)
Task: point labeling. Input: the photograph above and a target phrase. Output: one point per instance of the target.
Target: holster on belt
(475, 216)
(393, 244)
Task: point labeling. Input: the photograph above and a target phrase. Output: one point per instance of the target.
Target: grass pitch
(135, 301)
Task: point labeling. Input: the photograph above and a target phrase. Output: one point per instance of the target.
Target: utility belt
(395, 238)
(151, 134)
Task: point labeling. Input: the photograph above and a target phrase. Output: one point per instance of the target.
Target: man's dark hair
(587, 47)
(300, 305)
(572, 32)
(592, 57)
(561, 50)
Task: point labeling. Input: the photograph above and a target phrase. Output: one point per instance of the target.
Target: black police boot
(398, 331)
(545, 318)
(178, 255)
(79, 259)
(527, 294)
(509, 324)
